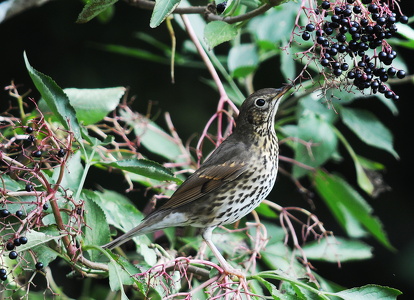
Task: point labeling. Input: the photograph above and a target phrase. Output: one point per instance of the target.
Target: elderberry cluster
(351, 36)
(12, 245)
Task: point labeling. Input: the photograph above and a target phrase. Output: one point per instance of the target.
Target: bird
(230, 183)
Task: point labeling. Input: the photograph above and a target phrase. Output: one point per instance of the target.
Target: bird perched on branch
(232, 182)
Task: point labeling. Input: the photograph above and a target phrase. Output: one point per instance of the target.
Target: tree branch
(210, 16)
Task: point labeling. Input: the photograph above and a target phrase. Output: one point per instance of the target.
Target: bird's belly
(235, 199)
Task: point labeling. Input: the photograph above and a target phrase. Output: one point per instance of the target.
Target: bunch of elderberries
(350, 38)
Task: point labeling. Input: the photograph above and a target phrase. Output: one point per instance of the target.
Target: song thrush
(233, 181)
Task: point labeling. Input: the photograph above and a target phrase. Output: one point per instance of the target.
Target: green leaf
(312, 104)
(36, 238)
(370, 164)
(217, 32)
(278, 256)
(264, 210)
(368, 128)
(144, 167)
(72, 173)
(122, 214)
(92, 105)
(94, 8)
(369, 292)
(408, 33)
(121, 273)
(321, 139)
(242, 60)
(96, 231)
(274, 292)
(287, 68)
(349, 208)
(153, 137)
(162, 9)
(263, 27)
(337, 249)
(56, 99)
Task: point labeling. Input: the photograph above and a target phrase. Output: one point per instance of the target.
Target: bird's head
(258, 111)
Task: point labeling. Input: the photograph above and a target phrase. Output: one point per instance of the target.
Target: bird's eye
(260, 102)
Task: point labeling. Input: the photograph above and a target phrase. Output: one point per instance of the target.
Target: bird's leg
(227, 268)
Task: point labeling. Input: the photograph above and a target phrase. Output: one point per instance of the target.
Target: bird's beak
(282, 91)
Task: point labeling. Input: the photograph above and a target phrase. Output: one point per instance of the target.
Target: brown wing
(203, 181)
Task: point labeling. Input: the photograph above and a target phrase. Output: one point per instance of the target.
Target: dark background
(58, 47)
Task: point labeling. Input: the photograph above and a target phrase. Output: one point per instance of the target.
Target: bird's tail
(139, 230)
(155, 221)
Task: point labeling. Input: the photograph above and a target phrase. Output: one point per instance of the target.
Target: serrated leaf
(123, 272)
(348, 206)
(368, 128)
(274, 292)
(217, 32)
(92, 105)
(369, 292)
(337, 249)
(56, 99)
(94, 8)
(144, 167)
(96, 231)
(162, 9)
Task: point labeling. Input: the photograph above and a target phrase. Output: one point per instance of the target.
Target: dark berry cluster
(351, 36)
(11, 245)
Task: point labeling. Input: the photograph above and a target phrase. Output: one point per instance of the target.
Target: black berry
(327, 5)
(357, 9)
(221, 7)
(37, 153)
(305, 35)
(403, 19)
(3, 277)
(29, 187)
(16, 242)
(324, 62)
(31, 138)
(388, 94)
(401, 74)
(373, 8)
(310, 27)
(4, 213)
(344, 67)
(19, 214)
(391, 71)
(351, 75)
(13, 255)
(39, 265)
(3, 271)
(61, 153)
(45, 206)
(29, 129)
(23, 240)
(10, 246)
